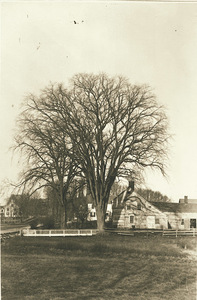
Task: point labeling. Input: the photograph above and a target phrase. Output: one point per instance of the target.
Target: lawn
(98, 267)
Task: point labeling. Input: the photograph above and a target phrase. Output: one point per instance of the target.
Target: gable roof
(176, 207)
(164, 207)
(131, 195)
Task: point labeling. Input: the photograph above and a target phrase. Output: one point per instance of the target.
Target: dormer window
(128, 207)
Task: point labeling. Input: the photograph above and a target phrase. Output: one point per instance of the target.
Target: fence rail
(58, 232)
(176, 233)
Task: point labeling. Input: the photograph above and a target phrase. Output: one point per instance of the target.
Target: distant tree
(116, 130)
(44, 148)
(80, 208)
(31, 206)
(153, 196)
(51, 194)
(22, 201)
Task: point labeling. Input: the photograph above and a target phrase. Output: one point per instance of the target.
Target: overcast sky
(152, 43)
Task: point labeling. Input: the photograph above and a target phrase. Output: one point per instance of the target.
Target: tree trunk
(62, 216)
(100, 219)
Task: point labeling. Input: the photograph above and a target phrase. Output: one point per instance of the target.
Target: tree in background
(116, 129)
(79, 209)
(153, 196)
(75, 189)
(31, 206)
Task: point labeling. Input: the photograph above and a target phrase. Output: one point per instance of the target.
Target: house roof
(164, 207)
(186, 200)
(176, 207)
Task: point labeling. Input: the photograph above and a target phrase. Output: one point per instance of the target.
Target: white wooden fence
(59, 232)
(176, 233)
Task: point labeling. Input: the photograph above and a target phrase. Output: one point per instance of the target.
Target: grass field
(98, 267)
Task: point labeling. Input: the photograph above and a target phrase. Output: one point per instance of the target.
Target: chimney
(130, 187)
(185, 199)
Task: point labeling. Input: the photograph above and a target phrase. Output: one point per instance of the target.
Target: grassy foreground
(98, 267)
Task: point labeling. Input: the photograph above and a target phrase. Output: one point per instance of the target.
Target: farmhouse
(130, 210)
(92, 212)
(10, 212)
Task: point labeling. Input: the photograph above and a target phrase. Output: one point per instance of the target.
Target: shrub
(34, 223)
(48, 222)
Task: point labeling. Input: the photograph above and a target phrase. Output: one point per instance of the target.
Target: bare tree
(44, 148)
(101, 127)
(153, 196)
(116, 130)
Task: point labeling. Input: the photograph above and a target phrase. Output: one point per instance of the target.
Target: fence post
(78, 232)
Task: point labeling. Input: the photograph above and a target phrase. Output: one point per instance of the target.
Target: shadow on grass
(99, 267)
(101, 245)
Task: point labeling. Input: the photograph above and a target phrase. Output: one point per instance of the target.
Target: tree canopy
(103, 127)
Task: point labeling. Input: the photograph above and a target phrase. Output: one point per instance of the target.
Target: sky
(147, 42)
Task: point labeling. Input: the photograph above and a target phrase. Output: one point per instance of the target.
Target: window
(131, 219)
(157, 221)
(182, 222)
(8, 209)
(192, 223)
(92, 214)
(139, 206)
(128, 207)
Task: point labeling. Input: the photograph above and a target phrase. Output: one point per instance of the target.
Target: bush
(34, 223)
(48, 222)
(85, 225)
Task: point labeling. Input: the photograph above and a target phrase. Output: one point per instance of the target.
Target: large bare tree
(45, 148)
(101, 127)
(116, 129)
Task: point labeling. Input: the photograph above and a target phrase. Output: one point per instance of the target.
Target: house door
(150, 221)
(192, 223)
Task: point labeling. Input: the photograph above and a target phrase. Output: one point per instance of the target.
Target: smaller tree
(80, 209)
(71, 199)
(45, 148)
